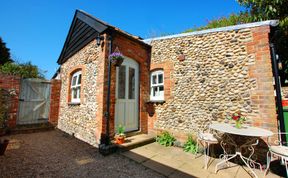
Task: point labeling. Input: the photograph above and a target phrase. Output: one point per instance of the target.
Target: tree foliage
(233, 19)
(4, 53)
(25, 70)
(8, 66)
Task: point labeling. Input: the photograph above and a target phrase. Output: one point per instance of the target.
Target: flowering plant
(116, 56)
(237, 116)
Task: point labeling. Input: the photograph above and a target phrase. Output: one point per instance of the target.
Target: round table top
(244, 131)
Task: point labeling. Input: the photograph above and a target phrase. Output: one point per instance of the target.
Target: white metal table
(252, 133)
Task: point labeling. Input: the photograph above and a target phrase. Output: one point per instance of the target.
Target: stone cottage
(169, 83)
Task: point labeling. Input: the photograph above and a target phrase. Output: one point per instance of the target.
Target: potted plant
(120, 135)
(239, 119)
(116, 58)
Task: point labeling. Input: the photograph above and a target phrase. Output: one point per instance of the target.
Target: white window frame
(76, 87)
(159, 94)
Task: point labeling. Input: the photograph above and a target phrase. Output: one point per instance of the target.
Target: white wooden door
(127, 95)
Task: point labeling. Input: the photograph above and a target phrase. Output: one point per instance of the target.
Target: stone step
(31, 128)
(136, 141)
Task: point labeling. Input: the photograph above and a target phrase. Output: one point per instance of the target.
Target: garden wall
(11, 84)
(54, 101)
(209, 75)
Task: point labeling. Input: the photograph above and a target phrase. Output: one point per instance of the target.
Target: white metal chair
(279, 150)
(206, 138)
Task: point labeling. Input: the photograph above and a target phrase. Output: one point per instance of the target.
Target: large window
(157, 85)
(76, 87)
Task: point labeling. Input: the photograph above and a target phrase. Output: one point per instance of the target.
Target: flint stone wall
(80, 120)
(221, 74)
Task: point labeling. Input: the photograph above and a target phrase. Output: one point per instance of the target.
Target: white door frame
(127, 110)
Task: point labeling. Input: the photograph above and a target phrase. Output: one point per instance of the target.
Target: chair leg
(268, 163)
(206, 157)
(286, 162)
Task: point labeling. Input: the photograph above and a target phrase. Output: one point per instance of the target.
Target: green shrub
(25, 70)
(191, 145)
(165, 139)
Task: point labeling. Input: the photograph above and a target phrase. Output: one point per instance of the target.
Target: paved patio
(173, 162)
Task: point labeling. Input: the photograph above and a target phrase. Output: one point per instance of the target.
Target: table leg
(247, 161)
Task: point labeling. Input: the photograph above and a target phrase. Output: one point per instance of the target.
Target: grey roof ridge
(221, 29)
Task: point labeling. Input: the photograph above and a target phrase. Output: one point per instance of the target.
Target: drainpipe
(280, 115)
(105, 147)
(107, 113)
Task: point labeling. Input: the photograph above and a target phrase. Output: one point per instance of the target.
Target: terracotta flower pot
(3, 146)
(119, 139)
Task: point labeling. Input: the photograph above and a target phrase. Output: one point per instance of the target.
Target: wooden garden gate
(34, 101)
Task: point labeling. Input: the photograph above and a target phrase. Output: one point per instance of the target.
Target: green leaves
(233, 19)
(25, 70)
(190, 145)
(165, 139)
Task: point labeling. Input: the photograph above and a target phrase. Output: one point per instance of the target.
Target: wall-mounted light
(99, 39)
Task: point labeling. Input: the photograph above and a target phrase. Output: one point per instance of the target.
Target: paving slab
(167, 161)
(194, 170)
(134, 156)
(158, 167)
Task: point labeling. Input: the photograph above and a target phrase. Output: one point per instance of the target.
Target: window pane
(74, 80)
(79, 79)
(154, 79)
(160, 78)
(121, 82)
(154, 90)
(78, 92)
(131, 83)
(74, 93)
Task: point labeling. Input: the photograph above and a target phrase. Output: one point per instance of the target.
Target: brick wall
(285, 92)
(140, 53)
(262, 97)
(54, 101)
(11, 83)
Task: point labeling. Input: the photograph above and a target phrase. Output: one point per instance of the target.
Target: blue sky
(35, 30)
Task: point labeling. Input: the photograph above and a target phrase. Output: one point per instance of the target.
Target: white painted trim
(76, 74)
(128, 62)
(160, 97)
(221, 29)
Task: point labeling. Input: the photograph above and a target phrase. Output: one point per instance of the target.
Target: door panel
(127, 86)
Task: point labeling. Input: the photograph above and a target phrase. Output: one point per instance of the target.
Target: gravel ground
(55, 154)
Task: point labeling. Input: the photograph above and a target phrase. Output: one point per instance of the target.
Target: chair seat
(281, 150)
(208, 137)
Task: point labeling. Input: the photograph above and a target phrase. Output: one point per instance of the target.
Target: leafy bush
(191, 145)
(233, 19)
(165, 139)
(25, 70)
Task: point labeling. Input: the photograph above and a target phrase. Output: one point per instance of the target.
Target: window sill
(156, 102)
(74, 103)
